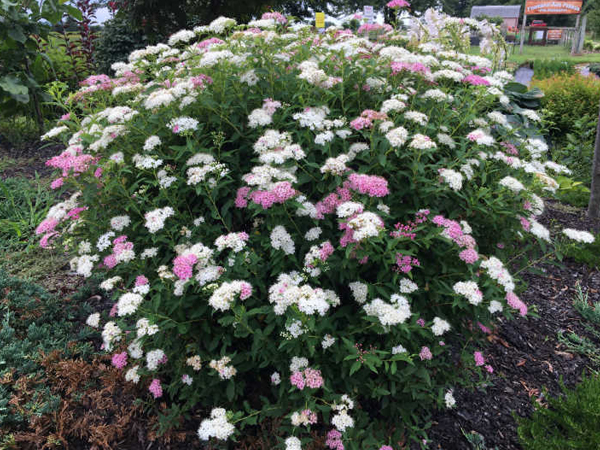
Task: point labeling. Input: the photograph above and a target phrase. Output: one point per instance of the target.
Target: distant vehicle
(538, 23)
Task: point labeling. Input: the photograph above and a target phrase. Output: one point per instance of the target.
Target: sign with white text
(369, 13)
(553, 7)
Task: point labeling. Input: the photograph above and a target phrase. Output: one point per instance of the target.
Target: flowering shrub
(297, 225)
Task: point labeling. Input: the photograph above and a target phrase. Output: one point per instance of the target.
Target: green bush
(588, 254)
(568, 422)
(567, 99)
(546, 68)
(116, 41)
(264, 216)
(576, 149)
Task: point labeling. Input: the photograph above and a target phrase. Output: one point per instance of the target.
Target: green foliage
(572, 192)
(567, 99)
(582, 304)
(576, 149)
(588, 254)
(68, 62)
(18, 129)
(23, 203)
(22, 65)
(546, 68)
(32, 323)
(476, 440)
(115, 42)
(568, 422)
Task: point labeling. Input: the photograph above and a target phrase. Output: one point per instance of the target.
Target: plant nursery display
(308, 227)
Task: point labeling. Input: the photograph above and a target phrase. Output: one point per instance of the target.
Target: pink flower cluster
(398, 67)
(47, 225)
(277, 17)
(309, 377)
(476, 80)
(183, 266)
(369, 27)
(330, 203)
(141, 280)
(155, 388)
(372, 185)
(526, 224)
(516, 303)
(408, 230)
(120, 245)
(105, 83)
(480, 361)
(510, 148)
(71, 163)
(278, 194)
(453, 231)
(200, 81)
(245, 290)
(425, 353)
(325, 251)
(208, 42)
(395, 4)
(405, 263)
(366, 119)
(470, 256)
(334, 440)
(119, 360)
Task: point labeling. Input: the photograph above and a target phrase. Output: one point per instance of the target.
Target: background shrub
(568, 98)
(115, 42)
(546, 68)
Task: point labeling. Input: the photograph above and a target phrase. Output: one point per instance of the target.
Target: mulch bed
(525, 353)
(29, 159)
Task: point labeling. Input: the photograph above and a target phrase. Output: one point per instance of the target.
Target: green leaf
(15, 88)
(17, 34)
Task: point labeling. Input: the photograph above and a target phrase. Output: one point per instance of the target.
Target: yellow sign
(320, 22)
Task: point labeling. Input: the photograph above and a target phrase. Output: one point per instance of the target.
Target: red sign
(554, 35)
(553, 7)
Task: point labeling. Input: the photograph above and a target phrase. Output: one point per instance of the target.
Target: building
(509, 13)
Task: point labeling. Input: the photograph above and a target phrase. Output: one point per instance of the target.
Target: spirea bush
(299, 225)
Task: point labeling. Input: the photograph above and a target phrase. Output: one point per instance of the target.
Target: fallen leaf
(550, 368)
(521, 362)
(566, 355)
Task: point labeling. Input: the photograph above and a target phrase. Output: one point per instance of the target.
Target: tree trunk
(594, 206)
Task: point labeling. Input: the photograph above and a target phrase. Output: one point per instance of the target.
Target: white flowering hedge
(298, 225)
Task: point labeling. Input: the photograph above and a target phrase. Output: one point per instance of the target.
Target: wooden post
(575, 36)
(581, 39)
(594, 205)
(522, 34)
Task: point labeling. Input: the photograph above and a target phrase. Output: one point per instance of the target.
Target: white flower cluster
(422, 142)
(470, 290)
(118, 223)
(393, 313)
(342, 420)
(225, 371)
(281, 240)
(512, 183)
(289, 291)
(496, 271)
(274, 147)
(452, 178)
(359, 290)
(439, 326)
(182, 125)
(217, 426)
(155, 219)
(407, 286)
(111, 333)
(234, 241)
(222, 298)
(579, 235)
(365, 225)
(154, 358)
(128, 303)
(84, 264)
(397, 136)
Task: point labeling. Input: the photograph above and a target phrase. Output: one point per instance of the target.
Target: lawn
(532, 52)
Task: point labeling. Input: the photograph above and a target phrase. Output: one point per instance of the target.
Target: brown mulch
(28, 159)
(525, 353)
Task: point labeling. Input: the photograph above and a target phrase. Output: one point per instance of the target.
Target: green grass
(532, 52)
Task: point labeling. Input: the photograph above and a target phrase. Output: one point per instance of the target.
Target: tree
(22, 64)
(594, 205)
